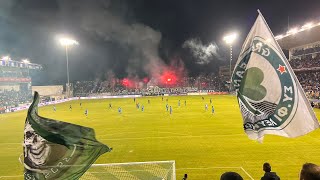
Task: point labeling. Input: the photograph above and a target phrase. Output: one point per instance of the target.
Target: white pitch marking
(246, 173)
(168, 137)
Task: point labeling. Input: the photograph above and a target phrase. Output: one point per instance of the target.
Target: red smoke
(168, 78)
(127, 83)
(146, 80)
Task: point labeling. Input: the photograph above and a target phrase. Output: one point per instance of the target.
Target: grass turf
(204, 145)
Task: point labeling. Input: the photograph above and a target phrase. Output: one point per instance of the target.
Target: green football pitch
(203, 145)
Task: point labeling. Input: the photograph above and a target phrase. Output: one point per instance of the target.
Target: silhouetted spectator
(310, 171)
(231, 176)
(268, 175)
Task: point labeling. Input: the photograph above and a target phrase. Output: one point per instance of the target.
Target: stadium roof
(299, 37)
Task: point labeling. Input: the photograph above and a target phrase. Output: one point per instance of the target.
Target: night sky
(136, 38)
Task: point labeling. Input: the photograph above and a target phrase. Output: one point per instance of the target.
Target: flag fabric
(55, 149)
(269, 94)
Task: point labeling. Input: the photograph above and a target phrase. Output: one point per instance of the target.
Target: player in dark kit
(70, 107)
(86, 112)
(110, 105)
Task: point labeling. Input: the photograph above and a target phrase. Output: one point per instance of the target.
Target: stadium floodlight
(293, 31)
(6, 58)
(66, 42)
(229, 39)
(26, 61)
(307, 25)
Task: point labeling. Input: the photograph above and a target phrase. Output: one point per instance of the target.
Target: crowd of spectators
(310, 82)
(205, 83)
(12, 98)
(308, 61)
(83, 88)
(304, 51)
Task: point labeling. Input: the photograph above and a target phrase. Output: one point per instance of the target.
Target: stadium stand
(15, 83)
(304, 58)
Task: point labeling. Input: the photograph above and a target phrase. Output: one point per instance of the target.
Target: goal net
(155, 170)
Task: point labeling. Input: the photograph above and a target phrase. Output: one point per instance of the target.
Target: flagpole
(289, 69)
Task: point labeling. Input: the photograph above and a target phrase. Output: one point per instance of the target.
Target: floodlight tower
(229, 39)
(67, 42)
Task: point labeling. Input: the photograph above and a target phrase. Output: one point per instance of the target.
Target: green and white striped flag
(57, 150)
(269, 94)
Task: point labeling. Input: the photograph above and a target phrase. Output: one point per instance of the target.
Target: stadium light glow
(293, 31)
(307, 25)
(279, 37)
(6, 58)
(26, 61)
(67, 41)
(229, 39)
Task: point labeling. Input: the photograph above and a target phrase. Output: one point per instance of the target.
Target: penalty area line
(168, 137)
(246, 173)
(10, 176)
(215, 167)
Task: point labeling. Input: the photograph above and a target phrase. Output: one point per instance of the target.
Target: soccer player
(170, 110)
(70, 107)
(185, 102)
(185, 177)
(86, 112)
(80, 104)
(142, 108)
(54, 108)
(148, 101)
(206, 107)
(167, 107)
(119, 110)
(110, 105)
(210, 101)
(134, 99)
(179, 103)
(202, 98)
(162, 98)
(212, 109)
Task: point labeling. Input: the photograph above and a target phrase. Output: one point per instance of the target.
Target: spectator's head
(231, 176)
(310, 171)
(266, 167)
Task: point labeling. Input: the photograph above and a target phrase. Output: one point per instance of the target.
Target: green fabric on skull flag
(57, 150)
